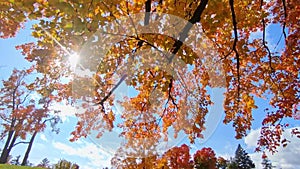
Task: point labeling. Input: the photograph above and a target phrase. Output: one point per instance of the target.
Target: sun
(73, 60)
(73, 57)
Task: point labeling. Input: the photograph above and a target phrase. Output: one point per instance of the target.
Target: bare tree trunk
(5, 151)
(28, 149)
(4, 154)
(12, 143)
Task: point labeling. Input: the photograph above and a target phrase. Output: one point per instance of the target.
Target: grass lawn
(6, 166)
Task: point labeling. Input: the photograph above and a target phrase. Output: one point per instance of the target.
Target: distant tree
(266, 163)
(16, 160)
(221, 163)
(64, 164)
(232, 165)
(20, 113)
(177, 157)
(15, 106)
(45, 163)
(53, 121)
(28, 163)
(205, 159)
(242, 159)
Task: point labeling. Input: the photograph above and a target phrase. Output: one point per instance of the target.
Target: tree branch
(147, 12)
(170, 96)
(234, 22)
(264, 39)
(184, 33)
(25, 98)
(141, 41)
(285, 16)
(21, 142)
(90, 5)
(146, 20)
(101, 102)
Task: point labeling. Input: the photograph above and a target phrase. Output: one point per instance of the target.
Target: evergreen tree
(242, 159)
(266, 163)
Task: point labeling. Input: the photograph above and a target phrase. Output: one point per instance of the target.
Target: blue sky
(89, 153)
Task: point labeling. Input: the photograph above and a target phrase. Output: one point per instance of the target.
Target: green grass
(6, 166)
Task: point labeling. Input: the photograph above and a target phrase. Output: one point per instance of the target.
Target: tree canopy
(25, 108)
(203, 44)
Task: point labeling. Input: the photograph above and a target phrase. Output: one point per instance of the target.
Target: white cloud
(226, 156)
(97, 158)
(65, 110)
(287, 158)
(251, 138)
(43, 137)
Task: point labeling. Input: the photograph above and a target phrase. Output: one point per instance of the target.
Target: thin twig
(101, 102)
(285, 17)
(264, 39)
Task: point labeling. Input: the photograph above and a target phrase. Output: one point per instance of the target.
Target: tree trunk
(5, 151)
(12, 143)
(4, 154)
(28, 149)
